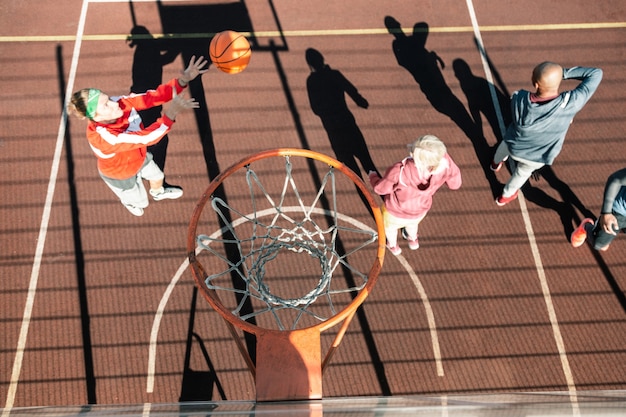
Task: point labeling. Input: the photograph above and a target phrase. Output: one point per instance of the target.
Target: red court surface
(99, 307)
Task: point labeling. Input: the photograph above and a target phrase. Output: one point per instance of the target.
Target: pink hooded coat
(399, 186)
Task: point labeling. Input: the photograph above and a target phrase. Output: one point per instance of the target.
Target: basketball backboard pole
(299, 376)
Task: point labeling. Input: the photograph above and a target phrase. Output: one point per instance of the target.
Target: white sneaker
(163, 193)
(135, 211)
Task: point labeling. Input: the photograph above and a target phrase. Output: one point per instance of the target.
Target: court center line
(43, 228)
(556, 331)
(317, 32)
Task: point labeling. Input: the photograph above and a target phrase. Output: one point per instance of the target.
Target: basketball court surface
(494, 314)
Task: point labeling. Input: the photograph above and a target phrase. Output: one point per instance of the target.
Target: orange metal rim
(198, 271)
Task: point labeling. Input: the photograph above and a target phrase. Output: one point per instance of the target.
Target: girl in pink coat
(408, 187)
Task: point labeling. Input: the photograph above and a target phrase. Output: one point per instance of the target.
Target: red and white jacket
(121, 146)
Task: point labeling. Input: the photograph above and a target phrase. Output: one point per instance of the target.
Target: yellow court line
(330, 32)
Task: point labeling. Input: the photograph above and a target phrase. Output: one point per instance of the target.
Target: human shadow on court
(566, 209)
(426, 68)
(189, 23)
(150, 56)
(477, 91)
(327, 89)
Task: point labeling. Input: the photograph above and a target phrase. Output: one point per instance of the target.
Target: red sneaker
(579, 235)
(495, 167)
(501, 201)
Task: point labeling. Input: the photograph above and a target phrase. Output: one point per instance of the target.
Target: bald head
(547, 78)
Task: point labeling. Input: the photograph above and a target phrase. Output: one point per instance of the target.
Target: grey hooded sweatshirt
(538, 129)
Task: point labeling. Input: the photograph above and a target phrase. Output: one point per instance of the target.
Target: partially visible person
(540, 122)
(119, 139)
(612, 216)
(408, 187)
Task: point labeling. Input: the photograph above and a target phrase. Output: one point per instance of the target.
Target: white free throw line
(170, 288)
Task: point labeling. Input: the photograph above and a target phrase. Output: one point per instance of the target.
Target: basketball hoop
(278, 231)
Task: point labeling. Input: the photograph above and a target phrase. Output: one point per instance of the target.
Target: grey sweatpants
(522, 169)
(131, 191)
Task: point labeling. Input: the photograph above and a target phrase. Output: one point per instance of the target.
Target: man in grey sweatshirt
(540, 122)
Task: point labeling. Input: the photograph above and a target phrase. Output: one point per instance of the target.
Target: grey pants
(131, 191)
(602, 239)
(522, 169)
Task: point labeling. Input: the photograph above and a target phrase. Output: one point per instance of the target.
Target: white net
(277, 227)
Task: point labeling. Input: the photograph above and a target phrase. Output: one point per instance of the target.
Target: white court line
(430, 315)
(156, 324)
(556, 331)
(170, 288)
(315, 32)
(43, 228)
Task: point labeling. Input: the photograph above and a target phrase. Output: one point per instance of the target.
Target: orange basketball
(230, 51)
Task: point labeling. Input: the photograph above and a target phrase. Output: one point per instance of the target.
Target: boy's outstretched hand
(179, 103)
(196, 67)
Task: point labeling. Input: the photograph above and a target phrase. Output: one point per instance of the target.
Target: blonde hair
(427, 151)
(78, 103)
